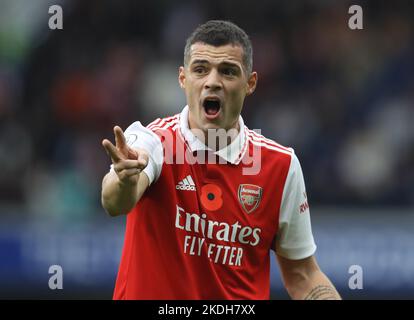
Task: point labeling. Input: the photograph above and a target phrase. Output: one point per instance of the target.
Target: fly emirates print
(206, 229)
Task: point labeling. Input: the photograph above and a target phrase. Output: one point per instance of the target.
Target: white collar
(230, 153)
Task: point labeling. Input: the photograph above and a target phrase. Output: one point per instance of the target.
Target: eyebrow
(201, 61)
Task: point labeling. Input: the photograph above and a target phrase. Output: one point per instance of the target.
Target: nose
(213, 81)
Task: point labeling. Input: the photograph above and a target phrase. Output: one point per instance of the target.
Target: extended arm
(118, 197)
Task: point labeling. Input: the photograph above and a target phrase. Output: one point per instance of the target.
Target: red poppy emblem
(211, 197)
(250, 196)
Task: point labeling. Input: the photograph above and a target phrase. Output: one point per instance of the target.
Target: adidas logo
(186, 184)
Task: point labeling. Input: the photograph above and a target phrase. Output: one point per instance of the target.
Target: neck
(215, 139)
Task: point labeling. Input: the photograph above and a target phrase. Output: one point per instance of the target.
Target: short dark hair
(219, 33)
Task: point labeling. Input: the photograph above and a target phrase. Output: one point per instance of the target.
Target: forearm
(315, 286)
(118, 198)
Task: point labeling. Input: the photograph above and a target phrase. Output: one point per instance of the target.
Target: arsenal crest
(249, 196)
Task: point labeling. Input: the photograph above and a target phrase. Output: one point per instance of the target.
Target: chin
(211, 125)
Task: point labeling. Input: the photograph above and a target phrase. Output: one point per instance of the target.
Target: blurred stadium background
(343, 99)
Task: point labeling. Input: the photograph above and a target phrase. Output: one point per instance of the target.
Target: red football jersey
(204, 229)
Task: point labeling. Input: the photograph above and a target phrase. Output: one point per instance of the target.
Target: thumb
(143, 159)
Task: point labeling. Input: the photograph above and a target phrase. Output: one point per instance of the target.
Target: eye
(199, 70)
(229, 71)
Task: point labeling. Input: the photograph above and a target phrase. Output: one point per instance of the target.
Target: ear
(181, 77)
(251, 83)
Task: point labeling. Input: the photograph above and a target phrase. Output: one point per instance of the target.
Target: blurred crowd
(343, 99)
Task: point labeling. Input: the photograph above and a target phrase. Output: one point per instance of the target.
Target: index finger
(119, 138)
(111, 150)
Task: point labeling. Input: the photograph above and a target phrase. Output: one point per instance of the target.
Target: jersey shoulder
(268, 145)
(167, 123)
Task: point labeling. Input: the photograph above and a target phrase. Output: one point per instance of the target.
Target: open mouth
(212, 107)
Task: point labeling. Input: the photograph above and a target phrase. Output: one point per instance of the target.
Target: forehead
(226, 53)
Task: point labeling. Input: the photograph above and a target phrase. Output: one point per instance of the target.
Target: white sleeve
(294, 239)
(139, 137)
